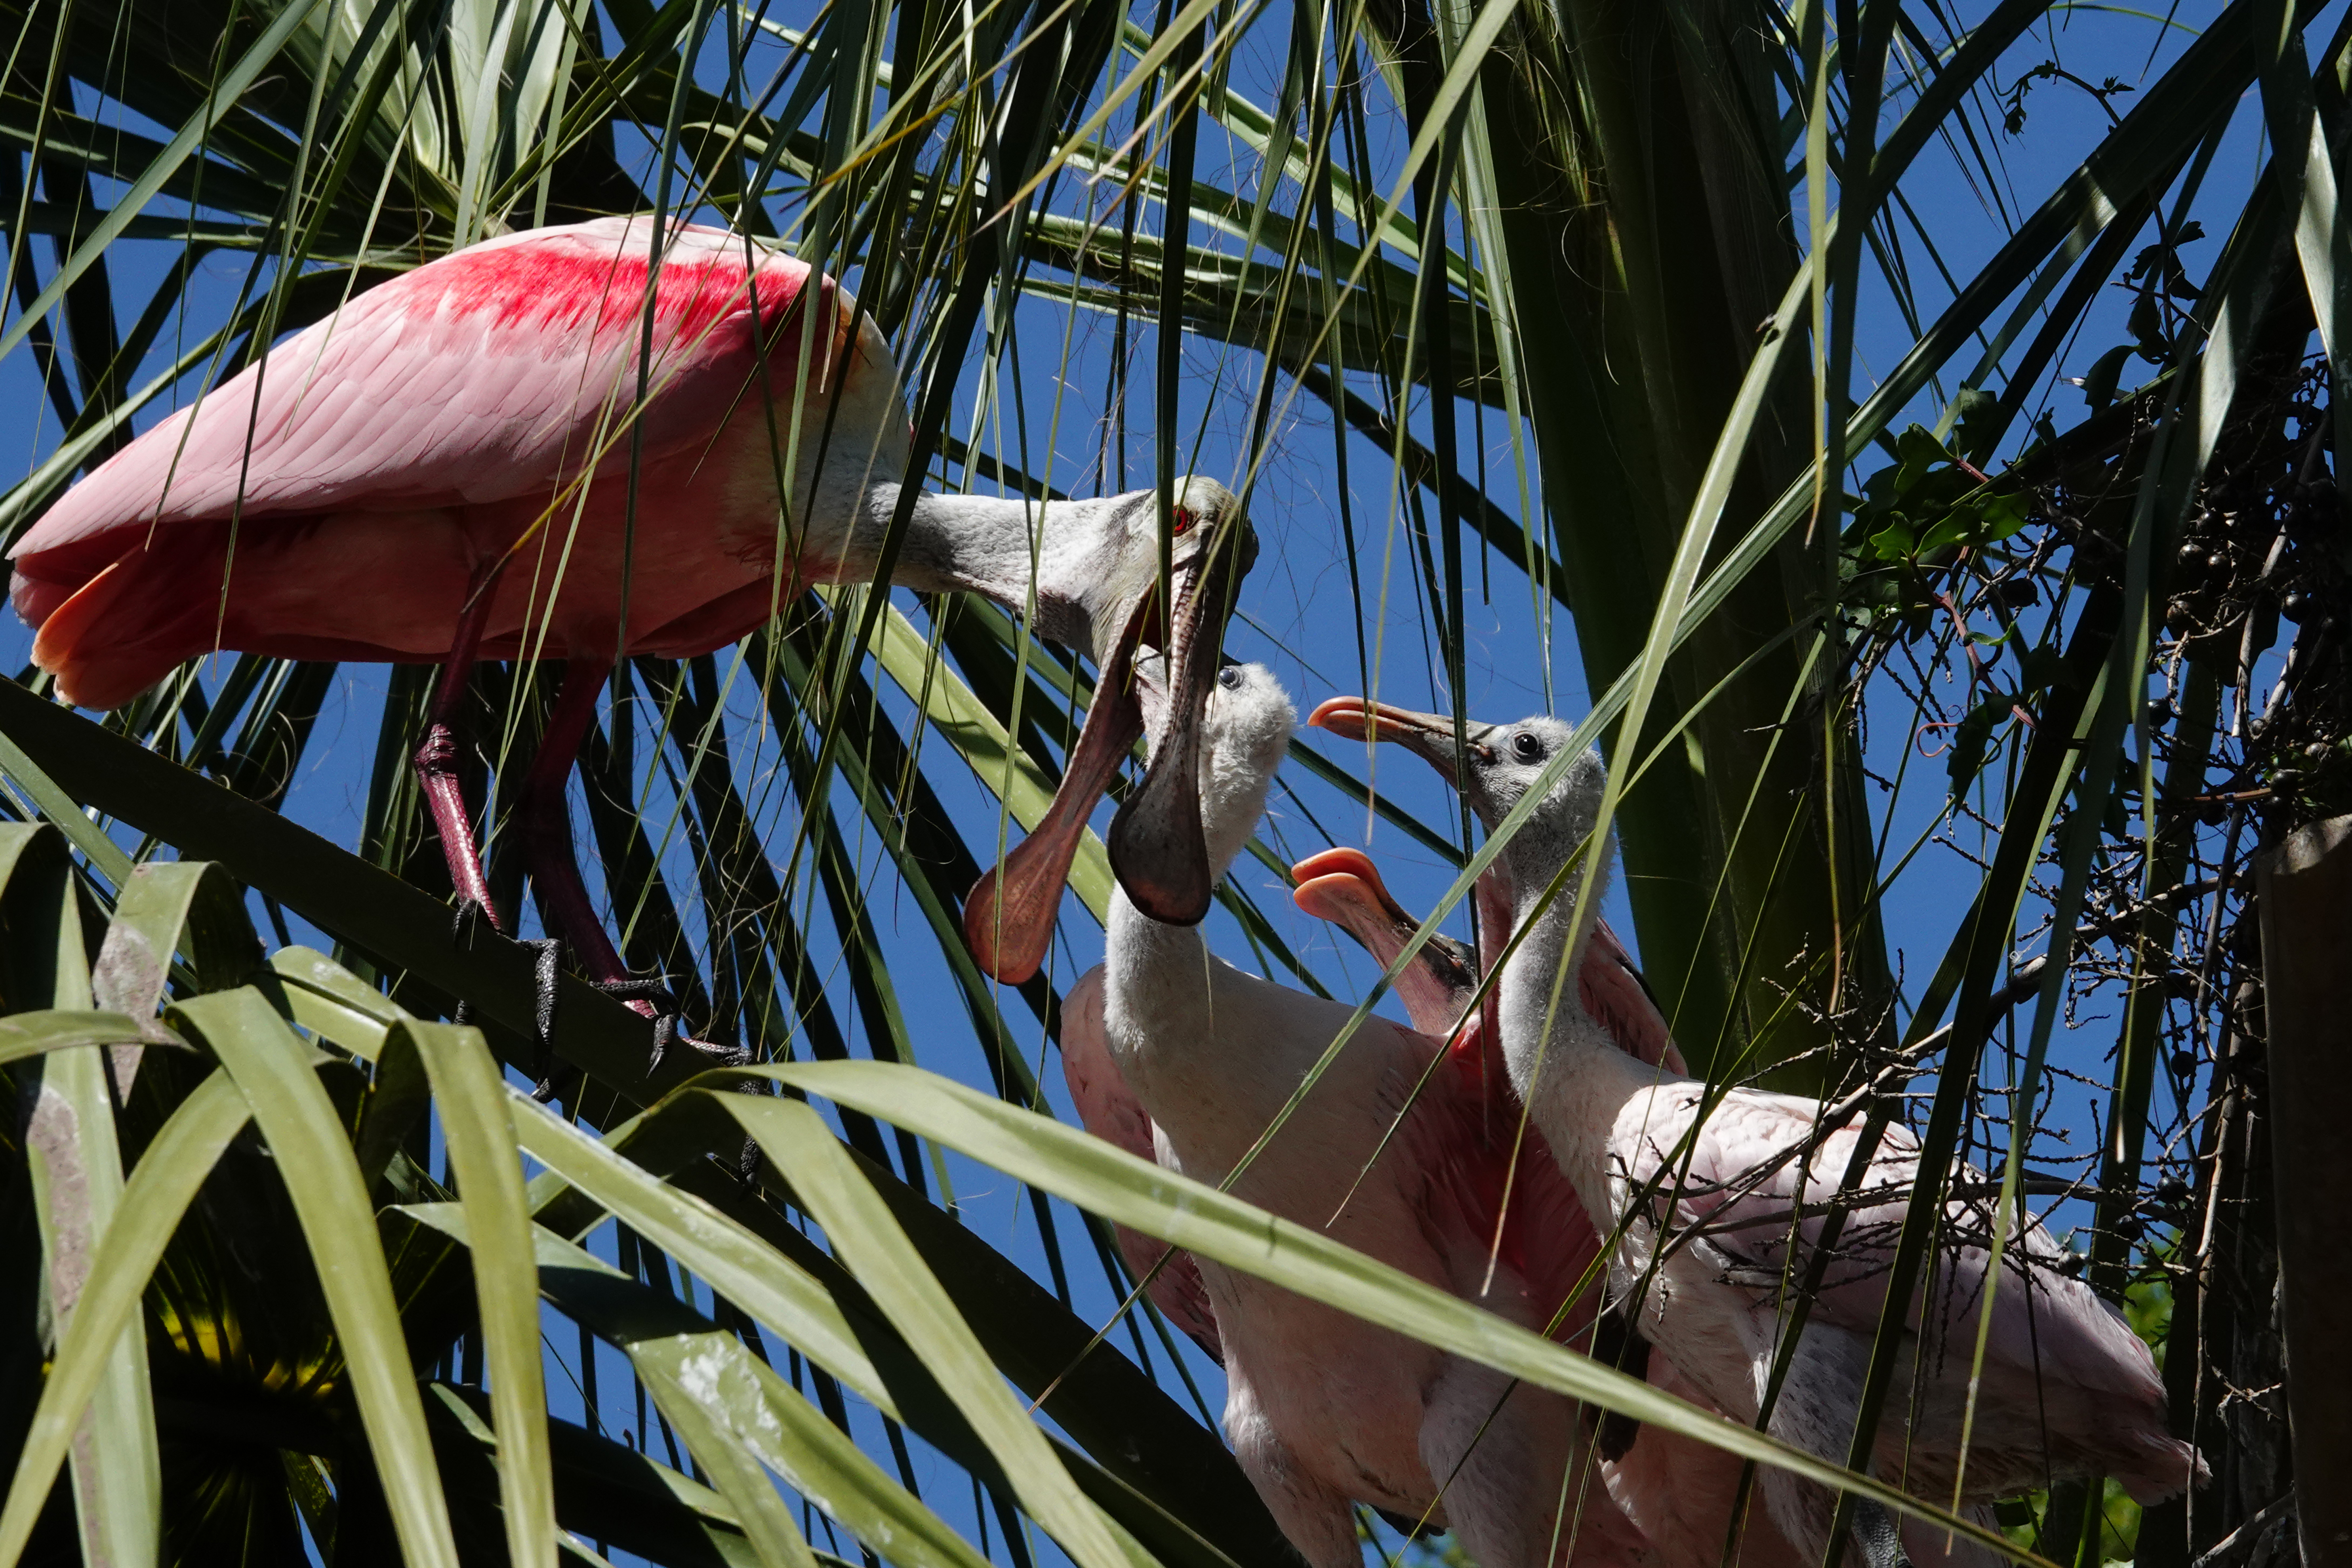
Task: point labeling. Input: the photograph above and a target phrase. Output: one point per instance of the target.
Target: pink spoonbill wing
(442, 419)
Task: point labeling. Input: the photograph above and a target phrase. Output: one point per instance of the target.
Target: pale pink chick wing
(1109, 1109)
(1615, 997)
(371, 460)
(1471, 1159)
(2052, 1339)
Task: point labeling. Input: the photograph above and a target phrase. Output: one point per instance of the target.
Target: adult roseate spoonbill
(2068, 1390)
(1321, 1407)
(458, 465)
(1678, 1491)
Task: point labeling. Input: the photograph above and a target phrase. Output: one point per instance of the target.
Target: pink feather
(333, 500)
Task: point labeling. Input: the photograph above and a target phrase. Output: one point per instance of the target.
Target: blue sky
(1296, 612)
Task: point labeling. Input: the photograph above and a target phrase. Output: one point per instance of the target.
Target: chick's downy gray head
(1507, 761)
(1495, 767)
(1244, 734)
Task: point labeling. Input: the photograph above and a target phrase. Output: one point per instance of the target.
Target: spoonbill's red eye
(1181, 523)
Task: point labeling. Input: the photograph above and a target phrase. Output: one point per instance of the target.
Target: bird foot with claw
(556, 1084)
(547, 962)
(547, 955)
(669, 1024)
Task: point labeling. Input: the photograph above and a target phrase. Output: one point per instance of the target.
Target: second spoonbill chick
(1704, 1186)
(1322, 1408)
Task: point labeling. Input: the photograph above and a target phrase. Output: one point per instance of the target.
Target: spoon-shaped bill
(1340, 862)
(1157, 849)
(1342, 886)
(1609, 986)
(1008, 921)
(1429, 736)
(1351, 898)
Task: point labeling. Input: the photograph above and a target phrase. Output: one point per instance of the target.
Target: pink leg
(564, 896)
(437, 758)
(547, 825)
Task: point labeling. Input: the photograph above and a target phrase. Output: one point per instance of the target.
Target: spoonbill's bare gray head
(1109, 578)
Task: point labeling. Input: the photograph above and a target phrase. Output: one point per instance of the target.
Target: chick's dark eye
(1527, 748)
(1229, 678)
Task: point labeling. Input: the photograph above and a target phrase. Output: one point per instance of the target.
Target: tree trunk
(2305, 888)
